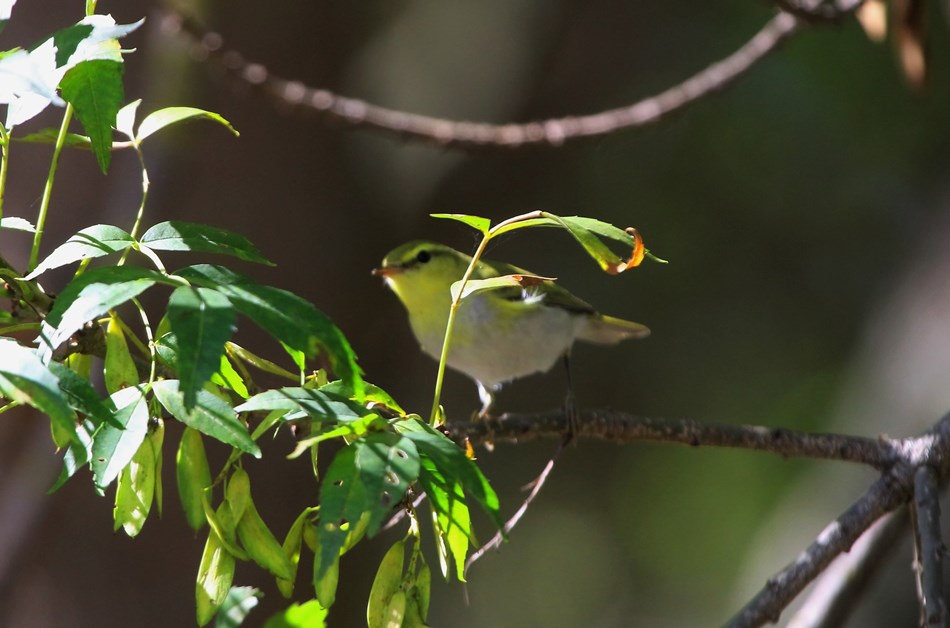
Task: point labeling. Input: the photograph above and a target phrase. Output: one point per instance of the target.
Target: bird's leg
(487, 396)
(570, 403)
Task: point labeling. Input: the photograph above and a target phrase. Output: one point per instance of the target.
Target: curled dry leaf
(636, 257)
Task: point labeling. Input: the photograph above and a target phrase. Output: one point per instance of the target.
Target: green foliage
(189, 369)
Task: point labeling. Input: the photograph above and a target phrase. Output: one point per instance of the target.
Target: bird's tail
(607, 330)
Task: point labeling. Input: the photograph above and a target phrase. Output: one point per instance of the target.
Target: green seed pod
(261, 545)
(194, 475)
(386, 585)
(215, 575)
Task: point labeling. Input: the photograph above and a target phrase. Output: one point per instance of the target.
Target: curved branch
(444, 132)
(621, 428)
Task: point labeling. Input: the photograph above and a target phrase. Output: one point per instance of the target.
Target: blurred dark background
(804, 213)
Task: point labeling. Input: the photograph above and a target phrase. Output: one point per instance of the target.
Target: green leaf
(307, 615)
(158, 120)
(452, 521)
(202, 321)
(95, 241)
(91, 295)
(82, 397)
(25, 379)
(388, 464)
(343, 498)
(193, 475)
(94, 89)
(475, 286)
(215, 575)
(453, 464)
(78, 455)
(476, 222)
(18, 224)
(68, 39)
(238, 604)
(176, 235)
(371, 394)
(112, 448)
(119, 370)
(210, 416)
(317, 404)
(229, 378)
(135, 490)
(261, 544)
(51, 136)
(125, 119)
(284, 315)
(291, 547)
(385, 585)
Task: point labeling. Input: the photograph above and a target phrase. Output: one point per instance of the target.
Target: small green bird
(501, 334)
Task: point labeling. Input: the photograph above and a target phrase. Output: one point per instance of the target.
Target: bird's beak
(386, 271)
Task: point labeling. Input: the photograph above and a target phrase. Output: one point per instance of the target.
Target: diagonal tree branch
(551, 132)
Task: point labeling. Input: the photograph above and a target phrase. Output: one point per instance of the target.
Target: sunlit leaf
(193, 476)
(307, 615)
(342, 498)
(25, 379)
(119, 369)
(210, 416)
(317, 404)
(158, 120)
(113, 448)
(90, 242)
(238, 604)
(91, 295)
(475, 286)
(18, 224)
(476, 222)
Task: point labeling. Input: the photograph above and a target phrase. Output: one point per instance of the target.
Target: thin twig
(455, 133)
(831, 600)
(536, 486)
(622, 428)
(929, 547)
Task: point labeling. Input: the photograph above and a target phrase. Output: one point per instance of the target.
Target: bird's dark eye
(423, 256)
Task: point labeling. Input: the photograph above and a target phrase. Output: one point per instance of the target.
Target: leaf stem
(450, 323)
(48, 187)
(4, 160)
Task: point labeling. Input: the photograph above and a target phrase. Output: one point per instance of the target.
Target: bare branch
(929, 547)
(886, 494)
(840, 586)
(468, 135)
(622, 428)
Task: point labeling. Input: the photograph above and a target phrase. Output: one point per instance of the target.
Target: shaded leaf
(135, 491)
(210, 416)
(317, 404)
(284, 315)
(193, 476)
(215, 575)
(202, 321)
(82, 397)
(343, 498)
(176, 235)
(388, 464)
(94, 88)
(385, 585)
